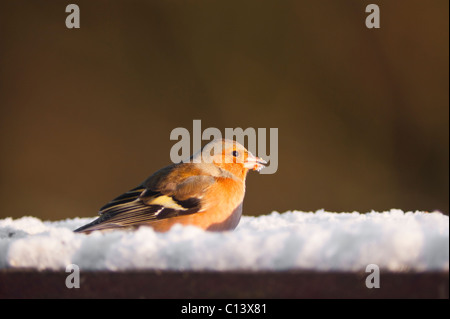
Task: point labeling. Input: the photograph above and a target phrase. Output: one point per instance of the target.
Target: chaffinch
(208, 192)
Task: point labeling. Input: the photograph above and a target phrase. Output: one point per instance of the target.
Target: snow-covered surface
(393, 240)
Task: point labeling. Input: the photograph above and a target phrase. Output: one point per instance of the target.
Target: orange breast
(222, 211)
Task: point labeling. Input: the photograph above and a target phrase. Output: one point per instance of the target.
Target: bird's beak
(253, 162)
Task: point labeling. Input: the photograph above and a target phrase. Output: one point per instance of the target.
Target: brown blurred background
(362, 113)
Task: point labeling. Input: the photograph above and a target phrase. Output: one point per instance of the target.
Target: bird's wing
(167, 193)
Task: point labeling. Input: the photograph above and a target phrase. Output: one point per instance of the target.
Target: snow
(324, 241)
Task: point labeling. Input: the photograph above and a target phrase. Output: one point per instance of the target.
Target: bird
(206, 191)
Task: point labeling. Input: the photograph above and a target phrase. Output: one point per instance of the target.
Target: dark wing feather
(127, 197)
(155, 199)
(122, 217)
(173, 206)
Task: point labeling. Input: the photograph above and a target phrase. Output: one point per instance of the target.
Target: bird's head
(231, 156)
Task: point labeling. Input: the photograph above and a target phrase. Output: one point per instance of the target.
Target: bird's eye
(235, 153)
